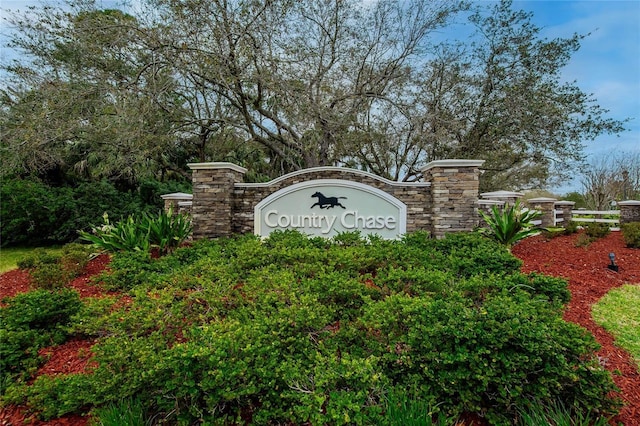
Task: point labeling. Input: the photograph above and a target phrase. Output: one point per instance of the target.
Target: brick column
(547, 207)
(567, 209)
(213, 191)
(454, 193)
(172, 201)
(629, 211)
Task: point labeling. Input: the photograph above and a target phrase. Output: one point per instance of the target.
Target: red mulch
(584, 267)
(73, 356)
(589, 279)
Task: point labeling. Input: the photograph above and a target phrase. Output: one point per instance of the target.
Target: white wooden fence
(611, 217)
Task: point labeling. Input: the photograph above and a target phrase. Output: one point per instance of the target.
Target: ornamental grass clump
(511, 224)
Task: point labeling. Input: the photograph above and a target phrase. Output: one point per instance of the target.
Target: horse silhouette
(327, 202)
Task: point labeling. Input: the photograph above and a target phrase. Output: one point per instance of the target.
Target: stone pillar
(548, 209)
(629, 211)
(172, 201)
(567, 211)
(454, 193)
(213, 191)
(184, 207)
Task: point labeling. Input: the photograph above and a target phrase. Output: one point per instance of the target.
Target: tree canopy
(282, 85)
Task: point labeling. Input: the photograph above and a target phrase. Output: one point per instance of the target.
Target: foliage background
(106, 95)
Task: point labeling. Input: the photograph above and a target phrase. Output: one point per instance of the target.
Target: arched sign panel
(327, 207)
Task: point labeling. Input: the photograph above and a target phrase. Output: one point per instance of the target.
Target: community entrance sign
(327, 207)
(327, 200)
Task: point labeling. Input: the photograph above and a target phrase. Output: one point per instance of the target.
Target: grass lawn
(619, 313)
(9, 257)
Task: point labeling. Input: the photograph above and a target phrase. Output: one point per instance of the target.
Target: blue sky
(607, 65)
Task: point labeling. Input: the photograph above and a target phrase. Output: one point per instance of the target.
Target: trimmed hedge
(292, 330)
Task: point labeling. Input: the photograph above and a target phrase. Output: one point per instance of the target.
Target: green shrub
(30, 211)
(54, 270)
(571, 228)
(129, 412)
(29, 322)
(37, 257)
(468, 255)
(474, 357)
(49, 277)
(34, 213)
(292, 330)
(631, 234)
(75, 258)
(597, 230)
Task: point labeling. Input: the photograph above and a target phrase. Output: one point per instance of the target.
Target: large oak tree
(281, 85)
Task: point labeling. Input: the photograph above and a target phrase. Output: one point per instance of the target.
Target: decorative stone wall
(212, 211)
(176, 201)
(566, 208)
(453, 195)
(546, 206)
(445, 201)
(629, 211)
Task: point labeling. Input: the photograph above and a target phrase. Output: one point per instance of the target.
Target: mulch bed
(589, 279)
(584, 267)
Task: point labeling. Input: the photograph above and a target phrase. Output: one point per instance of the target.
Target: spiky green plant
(125, 235)
(511, 223)
(165, 231)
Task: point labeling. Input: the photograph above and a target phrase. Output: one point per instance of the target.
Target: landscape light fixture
(613, 265)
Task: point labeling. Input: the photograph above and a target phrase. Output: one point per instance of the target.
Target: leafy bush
(54, 270)
(292, 330)
(571, 228)
(631, 234)
(128, 412)
(597, 230)
(33, 213)
(29, 322)
(39, 256)
(510, 224)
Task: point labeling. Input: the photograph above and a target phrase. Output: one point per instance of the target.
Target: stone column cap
(177, 196)
(542, 200)
(502, 194)
(565, 203)
(452, 163)
(490, 202)
(217, 165)
(629, 203)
